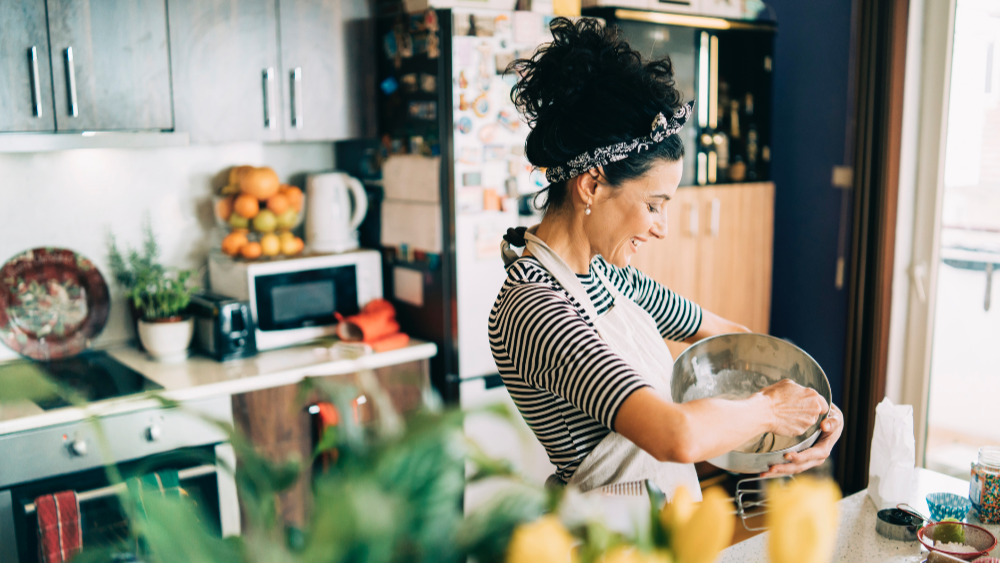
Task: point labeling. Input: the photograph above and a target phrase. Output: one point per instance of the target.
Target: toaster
(223, 327)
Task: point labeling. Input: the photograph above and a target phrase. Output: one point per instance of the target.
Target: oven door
(294, 307)
(102, 519)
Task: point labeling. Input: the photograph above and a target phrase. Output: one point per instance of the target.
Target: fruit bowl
(258, 213)
(227, 218)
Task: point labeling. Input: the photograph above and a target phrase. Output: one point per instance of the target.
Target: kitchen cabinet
(322, 63)
(224, 58)
(111, 68)
(25, 76)
(718, 250)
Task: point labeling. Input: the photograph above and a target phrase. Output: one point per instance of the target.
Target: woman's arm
(706, 428)
(712, 325)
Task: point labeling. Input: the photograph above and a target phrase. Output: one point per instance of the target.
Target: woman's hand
(832, 428)
(794, 408)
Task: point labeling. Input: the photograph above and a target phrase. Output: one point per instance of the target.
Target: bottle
(984, 485)
(752, 152)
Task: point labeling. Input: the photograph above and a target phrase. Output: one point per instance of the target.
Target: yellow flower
(705, 531)
(622, 554)
(802, 518)
(543, 541)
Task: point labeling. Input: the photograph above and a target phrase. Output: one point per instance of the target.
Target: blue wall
(812, 53)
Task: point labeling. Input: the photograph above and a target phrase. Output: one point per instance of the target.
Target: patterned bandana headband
(662, 128)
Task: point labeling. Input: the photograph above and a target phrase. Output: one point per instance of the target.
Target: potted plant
(157, 297)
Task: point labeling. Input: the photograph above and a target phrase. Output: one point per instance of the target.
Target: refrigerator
(454, 179)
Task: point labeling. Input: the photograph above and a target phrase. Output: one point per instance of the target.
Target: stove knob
(78, 447)
(153, 433)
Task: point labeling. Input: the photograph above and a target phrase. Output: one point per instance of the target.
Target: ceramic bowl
(948, 505)
(738, 365)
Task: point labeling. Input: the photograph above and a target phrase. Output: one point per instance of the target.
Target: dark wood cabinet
(111, 66)
(25, 76)
(226, 75)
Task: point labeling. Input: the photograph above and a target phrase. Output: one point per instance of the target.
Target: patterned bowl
(948, 505)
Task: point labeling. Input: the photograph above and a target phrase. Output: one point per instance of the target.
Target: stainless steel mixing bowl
(737, 366)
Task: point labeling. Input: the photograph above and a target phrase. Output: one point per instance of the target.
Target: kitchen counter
(857, 540)
(199, 377)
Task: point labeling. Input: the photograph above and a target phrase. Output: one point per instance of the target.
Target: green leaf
(25, 381)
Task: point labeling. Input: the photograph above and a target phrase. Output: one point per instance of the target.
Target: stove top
(93, 375)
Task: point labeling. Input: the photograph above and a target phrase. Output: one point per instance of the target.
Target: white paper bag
(891, 474)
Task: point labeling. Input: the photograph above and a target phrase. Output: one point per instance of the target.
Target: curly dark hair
(588, 89)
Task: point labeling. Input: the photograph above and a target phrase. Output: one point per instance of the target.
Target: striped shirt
(567, 383)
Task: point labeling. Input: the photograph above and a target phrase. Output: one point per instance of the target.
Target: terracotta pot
(167, 340)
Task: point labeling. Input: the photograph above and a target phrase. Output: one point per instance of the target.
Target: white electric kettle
(331, 226)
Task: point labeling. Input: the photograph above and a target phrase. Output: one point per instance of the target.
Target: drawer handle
(36, 87)
(297, 97)
(693, 221)
(74, 108)
(268, 80)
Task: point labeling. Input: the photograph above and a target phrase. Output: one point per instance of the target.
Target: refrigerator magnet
(462, 25)
(389, 86)
(423, 110)
(484, 24)
(463, 81)
(501, 25)
(389, 43)
(491, 200)
(464, 125)
(494, 153)
(463, 103)
(431, 20)
(481, 106)
(509, 120)
(472, 179)
(488, 132)
(485, 58)
(409, 82)
(470, 155)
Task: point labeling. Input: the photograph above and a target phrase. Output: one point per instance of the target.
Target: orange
(261, 183)
(294, 196)
(278, 203)
(285, 235)
(224, 208)
(247, 206)
(234, 242)
(270, 244)
(251, 250)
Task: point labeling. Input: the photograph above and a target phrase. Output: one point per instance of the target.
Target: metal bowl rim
(923, 531)
(782, 340)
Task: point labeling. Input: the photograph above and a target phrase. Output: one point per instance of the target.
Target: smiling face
(624, 217)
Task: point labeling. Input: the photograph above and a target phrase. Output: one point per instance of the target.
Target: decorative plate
(53, 303)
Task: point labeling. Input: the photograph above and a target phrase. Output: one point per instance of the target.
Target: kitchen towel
(60, 535)
(891, 472)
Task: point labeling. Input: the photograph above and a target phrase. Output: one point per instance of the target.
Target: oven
(68, 457)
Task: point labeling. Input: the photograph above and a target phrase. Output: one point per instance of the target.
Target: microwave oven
(295, 300)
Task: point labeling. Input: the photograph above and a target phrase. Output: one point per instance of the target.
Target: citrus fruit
(247, 206)
(234, 242)
(288, 219)
(224, 208)
(291, 247)
(278, 203)
(285, 235)
(237, 172)
(294, 196)
(251, 250)
(260, 183)
(265, 221)
(270, 244)
(238, 221)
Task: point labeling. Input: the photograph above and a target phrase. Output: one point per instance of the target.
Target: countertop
(199, 377)
(857, 540)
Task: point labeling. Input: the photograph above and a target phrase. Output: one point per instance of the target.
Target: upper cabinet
(224, 55)
(25, 78)
(111, 64)
(231, 85)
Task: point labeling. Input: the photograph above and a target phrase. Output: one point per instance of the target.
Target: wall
(811, 75)
(73, 199)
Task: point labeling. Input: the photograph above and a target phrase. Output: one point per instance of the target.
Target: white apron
(616, 464)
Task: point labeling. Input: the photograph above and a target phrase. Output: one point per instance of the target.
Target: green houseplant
(157, 297)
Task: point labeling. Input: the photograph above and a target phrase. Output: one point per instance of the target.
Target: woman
(577, 334)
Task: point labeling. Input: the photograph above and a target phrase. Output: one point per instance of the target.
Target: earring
(587, 211)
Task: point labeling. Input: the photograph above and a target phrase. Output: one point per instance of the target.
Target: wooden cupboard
(111, 66)
(718, 250)
(25, 78)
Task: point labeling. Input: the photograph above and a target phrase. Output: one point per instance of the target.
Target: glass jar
(984, 485)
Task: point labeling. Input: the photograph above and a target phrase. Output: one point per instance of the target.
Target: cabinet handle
(716, 216)
(36, 88)
(74, 109)
(268, 80)
(693, 221)
(297, 97)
